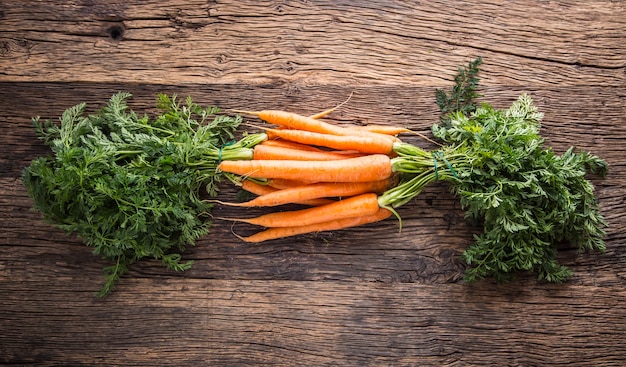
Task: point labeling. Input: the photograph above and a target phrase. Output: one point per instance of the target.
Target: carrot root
(282, 232)
(364, 204)
(372, 144)
(381, 129)
(289, 144)
(318, 191)
(263, 190)
(282, 153)
(373, 167)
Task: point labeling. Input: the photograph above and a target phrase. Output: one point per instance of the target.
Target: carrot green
(528, 198)
(130, 186)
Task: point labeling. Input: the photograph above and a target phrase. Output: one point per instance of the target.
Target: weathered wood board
(365, 296)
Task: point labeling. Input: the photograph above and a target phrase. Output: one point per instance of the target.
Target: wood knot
(14, 47)
(116, 32)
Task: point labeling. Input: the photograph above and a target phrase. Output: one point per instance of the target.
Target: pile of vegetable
(528, 198)
(132, 187)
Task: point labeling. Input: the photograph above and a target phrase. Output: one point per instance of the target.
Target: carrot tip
(409, 131)
(242, 238)
(240, 220)
(225, 203)
(246, 112)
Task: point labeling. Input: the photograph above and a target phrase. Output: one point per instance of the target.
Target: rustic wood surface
(366, 296)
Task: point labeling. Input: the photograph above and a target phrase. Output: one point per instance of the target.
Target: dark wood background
(366, 296)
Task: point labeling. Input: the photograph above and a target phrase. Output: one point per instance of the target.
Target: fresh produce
(333, 225)
(363, 204)
(129, 186)
(528, 198)
(368, 143)
(264, 151)
(298, 194)
(262, 190)
(293, 121)
(360, 169)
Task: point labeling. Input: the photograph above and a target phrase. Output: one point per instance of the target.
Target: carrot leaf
(528, 198)
(130, 185)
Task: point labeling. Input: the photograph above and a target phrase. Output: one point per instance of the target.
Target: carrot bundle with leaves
(130, 185)
(527, 197)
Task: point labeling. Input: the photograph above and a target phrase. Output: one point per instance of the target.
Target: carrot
(364, 204)
(282, 232)
(289, 144)
(280, 153)
(263, 190)
(372, 167)
(328, 111)
(381, 129)
(278, 142)
(316, 191)
(373, 144)
(256, 188)
(391, 130)
(281, 183)
(295, 121)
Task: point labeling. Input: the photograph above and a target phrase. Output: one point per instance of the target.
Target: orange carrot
(262, 190)
(278, 142)
(293, 145)
(364, 204)
(315, 191)
(256, 188)
(372, 167)
(282, 232)
(289, 144)
(281, 183)
(295, 121)
(373, 144)
(391, 131)
(381, 129)
(281, 153)
(298, 122)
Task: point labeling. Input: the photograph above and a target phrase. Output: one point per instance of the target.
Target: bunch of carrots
(348, 175)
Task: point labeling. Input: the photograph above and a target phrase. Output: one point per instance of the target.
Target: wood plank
(313, 43)
(282, 323)
(365, 296)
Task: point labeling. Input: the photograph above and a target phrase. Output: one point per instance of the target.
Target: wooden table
(367, 296)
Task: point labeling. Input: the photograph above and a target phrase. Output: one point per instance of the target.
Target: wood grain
(359, 297)
(313, 43)
(284, 322)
